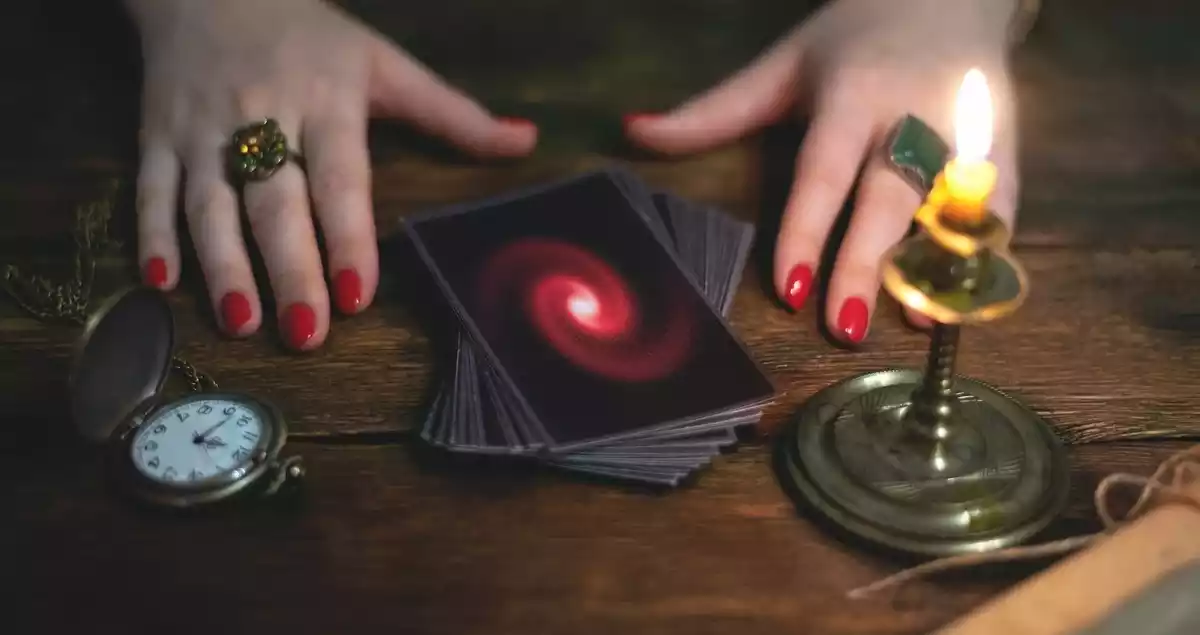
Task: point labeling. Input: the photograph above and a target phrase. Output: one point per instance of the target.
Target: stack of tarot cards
(591, 331)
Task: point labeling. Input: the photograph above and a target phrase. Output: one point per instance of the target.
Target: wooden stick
(1088, 589)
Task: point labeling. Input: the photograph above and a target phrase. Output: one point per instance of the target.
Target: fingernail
(799, 283)
(154, 272)
(347, 291)
(516, 121)
(852, 320)
(235, 312)
(635, 117)
(299, 325)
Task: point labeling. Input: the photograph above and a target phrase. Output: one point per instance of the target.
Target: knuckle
(886, 195)
(151, 199)
(224, 274)
(826, 177)
(856, 272)
(292, 281)
(201, 201)
(325, 92)
(861, 77)
(267, 209)
(251, 101)
(349, 247)
(181, 112)
(339, 179)
(320, 91)
(799, 238)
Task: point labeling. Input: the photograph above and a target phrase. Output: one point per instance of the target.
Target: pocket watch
(197, 449)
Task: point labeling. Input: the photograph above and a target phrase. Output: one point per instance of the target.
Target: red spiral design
(584, 309)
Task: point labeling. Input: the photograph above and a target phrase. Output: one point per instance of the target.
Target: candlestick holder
(931, 462)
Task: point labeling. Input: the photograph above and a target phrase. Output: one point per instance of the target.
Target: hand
(854, 69)
(217, 65)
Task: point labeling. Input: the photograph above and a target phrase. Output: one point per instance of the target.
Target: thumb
(400, 87)
(759, 94)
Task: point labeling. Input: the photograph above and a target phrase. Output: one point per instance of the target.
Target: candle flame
(973, 118)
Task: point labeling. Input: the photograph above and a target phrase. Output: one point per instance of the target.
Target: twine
(1177, 480)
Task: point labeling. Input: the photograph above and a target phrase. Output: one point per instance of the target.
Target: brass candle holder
(931, 462)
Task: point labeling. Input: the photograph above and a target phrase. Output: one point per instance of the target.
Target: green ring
(916, 152)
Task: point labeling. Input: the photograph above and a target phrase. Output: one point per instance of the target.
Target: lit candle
(969, 177)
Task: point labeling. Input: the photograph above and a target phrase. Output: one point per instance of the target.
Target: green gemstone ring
(258, 150)
(916, 152)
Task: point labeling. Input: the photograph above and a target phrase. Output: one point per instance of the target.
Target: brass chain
(197, 380)
(68, 301)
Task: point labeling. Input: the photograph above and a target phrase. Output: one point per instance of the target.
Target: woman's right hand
(212, 67)
(853, 69)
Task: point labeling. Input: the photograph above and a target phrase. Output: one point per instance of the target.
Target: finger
(882, 215)
(157, 194)
(917, 320)
(211, 209)
(280, 219)
(826, 167)
(403, 88)
(761, 93)
(339, 176)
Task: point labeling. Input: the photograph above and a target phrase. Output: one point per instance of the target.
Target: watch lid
(121, 361)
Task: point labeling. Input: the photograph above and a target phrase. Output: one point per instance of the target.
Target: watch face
(199, 440)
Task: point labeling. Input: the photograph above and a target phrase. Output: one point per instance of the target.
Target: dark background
(393, 539)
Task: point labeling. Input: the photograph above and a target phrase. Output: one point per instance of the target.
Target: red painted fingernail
(515, 121)
(154, 272)
(235, 312)
(799, 283)
(347, 291)
(299, 325)
(852, 320)
(635, 117)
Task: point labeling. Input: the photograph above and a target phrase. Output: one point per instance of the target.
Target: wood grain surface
(391, 537)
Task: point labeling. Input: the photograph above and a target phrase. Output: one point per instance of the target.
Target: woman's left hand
(854, 68)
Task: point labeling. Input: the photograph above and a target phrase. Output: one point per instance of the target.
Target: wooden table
(391, 538)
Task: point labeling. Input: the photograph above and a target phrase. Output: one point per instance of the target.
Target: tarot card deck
(591, 331)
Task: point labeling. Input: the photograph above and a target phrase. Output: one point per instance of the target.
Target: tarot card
(717, 254)
(495, 430)
(463, 406)
(450, 406)
(689, 246)
(741, 237)
(706, 443)
(471, 428)
(580, 307)
(486, 416)
(432, 418)
(696, 215)
(499, 431)
(662, 209)
(641, 198)
(697, 447)
(668, 478)
(673, 443)
(666, 450)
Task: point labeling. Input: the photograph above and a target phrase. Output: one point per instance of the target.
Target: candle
(969, 177)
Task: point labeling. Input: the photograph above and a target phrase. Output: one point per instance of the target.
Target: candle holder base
(998, 478)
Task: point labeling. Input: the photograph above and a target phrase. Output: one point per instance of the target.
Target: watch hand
(200, 438)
